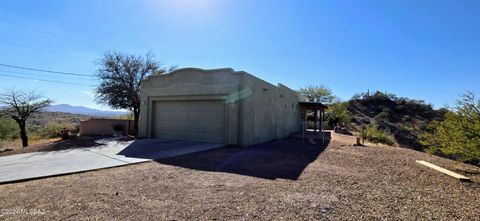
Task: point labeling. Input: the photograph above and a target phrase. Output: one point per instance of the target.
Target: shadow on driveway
(157, 148)
(285, 159)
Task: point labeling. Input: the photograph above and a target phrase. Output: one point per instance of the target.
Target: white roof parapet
(192, 69)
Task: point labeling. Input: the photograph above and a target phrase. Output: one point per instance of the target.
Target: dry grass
(37, 144)
(16, 145)
(341, 183)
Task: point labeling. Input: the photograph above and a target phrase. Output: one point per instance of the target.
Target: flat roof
(313, 105)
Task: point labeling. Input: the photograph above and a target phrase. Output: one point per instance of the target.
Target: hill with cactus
(401, 119)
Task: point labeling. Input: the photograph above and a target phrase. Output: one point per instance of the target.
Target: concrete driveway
(112, 153)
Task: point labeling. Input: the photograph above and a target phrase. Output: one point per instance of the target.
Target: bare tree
(20, 105)
(121, 76)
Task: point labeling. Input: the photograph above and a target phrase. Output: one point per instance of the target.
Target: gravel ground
(279, 180)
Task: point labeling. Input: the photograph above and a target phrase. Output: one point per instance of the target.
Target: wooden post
(128, 129)
(303, 132)
(304, 124)
(319, 120)
(443, 170)
(362, 135)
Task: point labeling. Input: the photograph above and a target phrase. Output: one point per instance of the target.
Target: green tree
(320, 94)
(338, 114)
(120, 78)
(20, 106)
(458, 135)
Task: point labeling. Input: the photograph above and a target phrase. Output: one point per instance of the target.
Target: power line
(44, 80)
(36, 49)
(29, 28)
(47, 71)
(30, 74)
(47, 33)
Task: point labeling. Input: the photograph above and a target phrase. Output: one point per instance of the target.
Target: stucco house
(219, 106)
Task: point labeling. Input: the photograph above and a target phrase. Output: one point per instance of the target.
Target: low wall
(103, 127)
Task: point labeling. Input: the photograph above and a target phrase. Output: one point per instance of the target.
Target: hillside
(52, 119)
(66, 108)
(42, 124)
(40, 121)
(402, 117)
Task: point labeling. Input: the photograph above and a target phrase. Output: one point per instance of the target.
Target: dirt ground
(14, 147)
(279, 180)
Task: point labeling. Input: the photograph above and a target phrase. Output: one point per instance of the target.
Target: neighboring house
(219, 105)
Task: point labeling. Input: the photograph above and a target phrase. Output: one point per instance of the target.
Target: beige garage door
(200, 120)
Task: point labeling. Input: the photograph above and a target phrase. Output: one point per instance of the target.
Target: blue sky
(427, 49)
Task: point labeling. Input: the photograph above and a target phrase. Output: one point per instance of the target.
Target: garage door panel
(189, 120)
(206, 127)
(202, 121)
(191, 135)
(180, 134)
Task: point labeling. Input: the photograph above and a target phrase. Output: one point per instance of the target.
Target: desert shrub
(458, 135)
(52, 130)
(8, 128)
(385, 114)
(338, 114)
(74, 129)
(408, 126)
(407, 119)
(375, 135)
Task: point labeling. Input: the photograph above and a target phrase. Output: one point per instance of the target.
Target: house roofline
(214, 70)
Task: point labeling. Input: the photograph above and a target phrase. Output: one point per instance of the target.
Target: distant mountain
(66, 108)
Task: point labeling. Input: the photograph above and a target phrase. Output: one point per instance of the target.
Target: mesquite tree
(120, 78)
(318, 94)
(20, 105)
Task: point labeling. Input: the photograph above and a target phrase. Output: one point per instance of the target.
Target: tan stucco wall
(255, 109)
(271, 112)
(102, 127)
